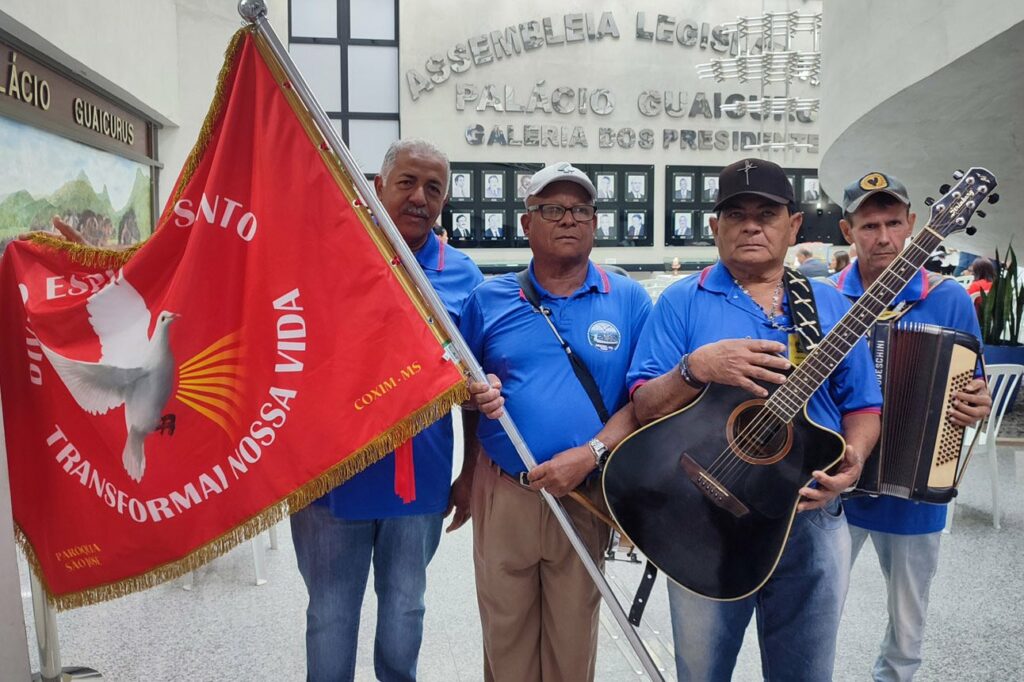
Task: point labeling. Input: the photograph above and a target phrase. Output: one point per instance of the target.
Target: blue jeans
(798, 610)
(908, 563)
(334, 559)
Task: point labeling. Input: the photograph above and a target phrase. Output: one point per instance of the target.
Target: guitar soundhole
(756, 435)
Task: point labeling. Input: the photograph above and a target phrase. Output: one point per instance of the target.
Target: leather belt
(519, 479)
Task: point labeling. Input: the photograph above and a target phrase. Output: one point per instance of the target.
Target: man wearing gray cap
(878, 220)
(538, 606)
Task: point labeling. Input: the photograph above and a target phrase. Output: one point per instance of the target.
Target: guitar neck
(790, 398)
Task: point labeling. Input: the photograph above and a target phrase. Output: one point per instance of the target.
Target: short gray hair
(804, 251)
(414, 146)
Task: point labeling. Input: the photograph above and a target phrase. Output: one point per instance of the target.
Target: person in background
(840, 259)
(984, 274)
(810, 265)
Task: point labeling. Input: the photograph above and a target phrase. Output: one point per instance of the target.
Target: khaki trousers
(538, 606)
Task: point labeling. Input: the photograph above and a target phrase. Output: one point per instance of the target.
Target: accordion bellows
(921, 367)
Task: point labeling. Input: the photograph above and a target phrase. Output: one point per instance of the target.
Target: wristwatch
(600, 451)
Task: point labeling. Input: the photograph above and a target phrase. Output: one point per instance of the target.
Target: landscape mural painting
(103, 196)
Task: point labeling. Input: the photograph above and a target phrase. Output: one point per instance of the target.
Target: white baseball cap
(563, 171)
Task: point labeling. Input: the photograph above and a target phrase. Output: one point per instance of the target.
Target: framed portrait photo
(494, 186)
(519, 233)
(682, 187)
(811, 190)
(710, 189)
(605, 184)
(461, 229)
(494, 226)
(462, 186)
(636, 225)
(636, 187)
(607, 228)
(522, 184)
(705, 224)
(682, 224)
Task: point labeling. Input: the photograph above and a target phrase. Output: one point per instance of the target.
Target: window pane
(369, 140)
(321, 67)
(315, 18)
(373, 79)
(373, 19)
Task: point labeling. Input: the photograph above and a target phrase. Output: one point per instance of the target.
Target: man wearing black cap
(730, 325)
(905, 534)
(538, 606)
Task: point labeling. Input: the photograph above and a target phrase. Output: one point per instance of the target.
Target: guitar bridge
(712, 489)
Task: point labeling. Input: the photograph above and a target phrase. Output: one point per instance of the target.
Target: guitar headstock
(958, 204)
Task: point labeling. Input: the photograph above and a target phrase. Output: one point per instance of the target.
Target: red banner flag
(162, 405)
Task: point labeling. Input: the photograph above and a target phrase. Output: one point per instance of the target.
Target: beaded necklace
(768, 314)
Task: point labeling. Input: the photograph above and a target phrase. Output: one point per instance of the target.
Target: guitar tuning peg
(993, 198)
(957, 174)
(971, 229)
(929, 201)
(980, 213)
(944, 188)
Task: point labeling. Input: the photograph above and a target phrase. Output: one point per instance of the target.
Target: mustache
(416, 211)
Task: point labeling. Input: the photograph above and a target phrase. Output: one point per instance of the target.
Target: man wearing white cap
(538, 606)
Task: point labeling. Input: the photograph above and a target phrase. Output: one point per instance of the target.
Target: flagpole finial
(251, 10)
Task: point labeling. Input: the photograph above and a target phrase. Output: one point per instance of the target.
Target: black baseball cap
(755, 176)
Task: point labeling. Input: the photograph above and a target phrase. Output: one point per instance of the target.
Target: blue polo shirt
(601, 321)
(710, 307)
(947, 305)
(370, 494)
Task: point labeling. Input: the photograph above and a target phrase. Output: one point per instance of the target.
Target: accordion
(920, 368)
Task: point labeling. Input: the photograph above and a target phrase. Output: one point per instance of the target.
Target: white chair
(1003, 380)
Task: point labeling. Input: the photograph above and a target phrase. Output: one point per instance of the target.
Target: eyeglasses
(554, 212)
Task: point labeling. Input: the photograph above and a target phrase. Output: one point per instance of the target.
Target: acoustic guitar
(709, 493)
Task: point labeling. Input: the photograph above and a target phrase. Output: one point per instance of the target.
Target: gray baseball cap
(872, 183)
(563, 171)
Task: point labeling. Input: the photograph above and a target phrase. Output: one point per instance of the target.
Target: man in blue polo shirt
(384, 514)
(538, 606)
(730, 325)
(877, 219)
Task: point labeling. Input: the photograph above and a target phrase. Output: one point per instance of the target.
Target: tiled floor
(228, 629)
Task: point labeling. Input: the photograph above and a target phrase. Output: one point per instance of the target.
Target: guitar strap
(579, 367)
(807, 336)
(804, 314)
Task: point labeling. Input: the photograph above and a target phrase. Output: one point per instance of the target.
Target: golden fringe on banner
(346, 469)
(368, 454)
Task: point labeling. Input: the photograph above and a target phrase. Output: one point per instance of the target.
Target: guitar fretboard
(787, 401)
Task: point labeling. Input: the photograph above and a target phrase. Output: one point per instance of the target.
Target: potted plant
(1002, 313)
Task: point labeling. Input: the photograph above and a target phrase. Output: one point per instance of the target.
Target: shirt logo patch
(604, 336)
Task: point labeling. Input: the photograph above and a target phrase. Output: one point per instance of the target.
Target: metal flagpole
(44, 615)
(255, 12)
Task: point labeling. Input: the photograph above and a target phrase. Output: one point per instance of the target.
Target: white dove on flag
(134, 370)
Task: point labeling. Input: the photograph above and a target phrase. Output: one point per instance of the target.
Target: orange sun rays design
(210, 382)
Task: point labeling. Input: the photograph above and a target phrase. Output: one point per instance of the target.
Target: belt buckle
(524, 479)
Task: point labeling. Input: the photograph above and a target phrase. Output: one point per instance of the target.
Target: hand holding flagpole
(255, 11)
